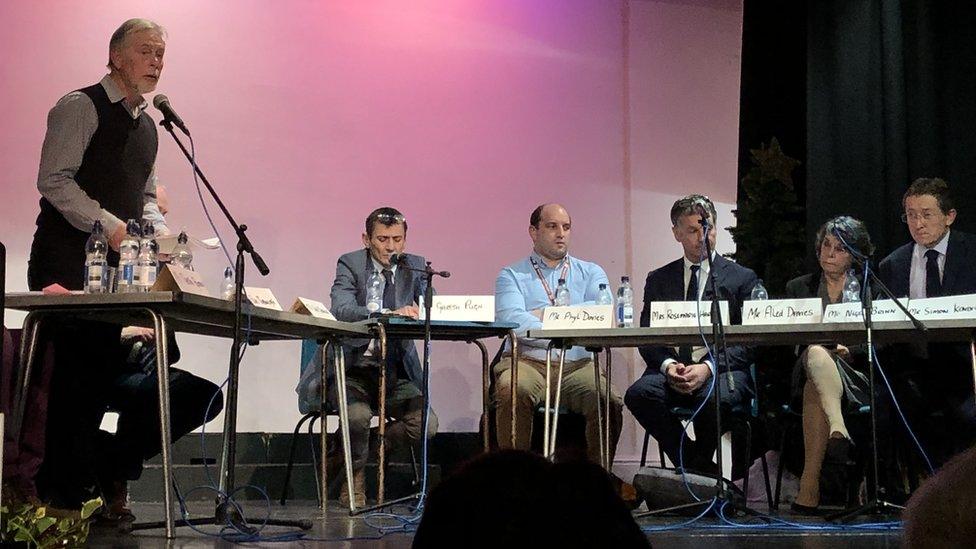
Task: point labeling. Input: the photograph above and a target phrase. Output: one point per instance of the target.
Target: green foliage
(42, 528)
(769, 232)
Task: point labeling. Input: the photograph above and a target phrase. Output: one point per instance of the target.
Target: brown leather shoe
(358, 490)
(115, 513)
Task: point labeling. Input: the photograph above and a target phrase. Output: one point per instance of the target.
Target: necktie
(692, 293)
(389, 291)
(684, 352)
(933, 283)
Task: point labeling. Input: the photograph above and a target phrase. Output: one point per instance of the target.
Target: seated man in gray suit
(400, 288)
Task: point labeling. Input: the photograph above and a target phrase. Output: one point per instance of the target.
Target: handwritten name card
(306, 306)
(953, 307)
(577, 317)
(173, 278)
(464, 308)
(782, 311)
(683, 314)
(882, 310)
(262, 297)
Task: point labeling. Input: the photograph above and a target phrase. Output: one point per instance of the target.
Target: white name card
(782, 311)
(173, 278)
(306, 306)
(682, 314)
(953, 307)
(577, 317)
(882, 310)
(466, 308)
(262, 297)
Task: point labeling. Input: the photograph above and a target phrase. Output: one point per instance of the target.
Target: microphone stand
(429, 274)
(876, 506)
(226, 511)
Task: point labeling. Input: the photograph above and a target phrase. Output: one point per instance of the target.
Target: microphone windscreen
(160, 100)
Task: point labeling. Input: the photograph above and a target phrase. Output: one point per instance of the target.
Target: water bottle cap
(562, 280)
(625, 279)
(603, 286)
(182, 239)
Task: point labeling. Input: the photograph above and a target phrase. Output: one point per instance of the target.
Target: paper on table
(168, 242)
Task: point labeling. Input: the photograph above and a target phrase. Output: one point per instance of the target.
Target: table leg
(162, 375)
(599, 408)
(515, 350)
(323, 428)
(546, 418)
(381, 473)
(484, 393)
(555, 410)
(344, 421)
(606, 411)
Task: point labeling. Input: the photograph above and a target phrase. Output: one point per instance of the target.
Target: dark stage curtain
(891, 96)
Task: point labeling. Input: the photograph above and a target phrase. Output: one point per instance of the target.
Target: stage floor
(337, 529)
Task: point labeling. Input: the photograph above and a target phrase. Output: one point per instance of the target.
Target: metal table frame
(794, 334)
(387, 328)
(163, 310)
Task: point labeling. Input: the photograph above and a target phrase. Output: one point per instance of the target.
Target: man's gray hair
(127, 28)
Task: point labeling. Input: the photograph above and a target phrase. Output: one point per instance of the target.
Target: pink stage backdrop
(463, 114)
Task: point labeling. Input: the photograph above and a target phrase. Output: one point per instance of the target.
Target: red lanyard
(545, 283)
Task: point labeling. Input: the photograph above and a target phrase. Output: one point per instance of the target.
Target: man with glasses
(682, 377)
(400, 288)
(934, 378)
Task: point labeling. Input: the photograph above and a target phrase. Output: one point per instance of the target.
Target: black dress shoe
(806, 510)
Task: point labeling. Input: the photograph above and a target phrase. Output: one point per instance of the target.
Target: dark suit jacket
(349, 304)
(958, 275)
(958, 278)
(734, 284)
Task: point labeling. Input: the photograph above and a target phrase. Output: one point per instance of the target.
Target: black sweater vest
(113, 171)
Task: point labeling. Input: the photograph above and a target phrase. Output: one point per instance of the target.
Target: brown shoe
(115, 513)
(358, 490)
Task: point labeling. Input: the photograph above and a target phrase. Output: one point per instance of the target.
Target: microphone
(700, 208)
(161, 102)
(396, 259)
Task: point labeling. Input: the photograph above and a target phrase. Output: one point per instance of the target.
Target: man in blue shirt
(522, 291)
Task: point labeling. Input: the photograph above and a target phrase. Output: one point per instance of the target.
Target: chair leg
(779, 468)
(746, 451)
(291, 455)
(643, 460)
(769, 491)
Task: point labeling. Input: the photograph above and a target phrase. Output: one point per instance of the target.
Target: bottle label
(93, 273)
(625, 316)
(126, 275)
(145, 275)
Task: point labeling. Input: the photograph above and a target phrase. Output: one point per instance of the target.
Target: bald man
(522, 291)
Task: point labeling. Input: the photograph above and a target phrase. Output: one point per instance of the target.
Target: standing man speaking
(97, 164)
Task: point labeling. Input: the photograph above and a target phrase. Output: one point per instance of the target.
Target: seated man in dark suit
(681, 377)
(400, 289)
(938, 262)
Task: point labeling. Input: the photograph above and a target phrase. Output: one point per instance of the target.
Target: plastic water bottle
(852, 289)
(147, 264)
(228, 286)
(182, 256)
(96, 267)
(374, 296)
(759, 292)
(625, 304)
(562, 293)
(603, 296)
(128, 254)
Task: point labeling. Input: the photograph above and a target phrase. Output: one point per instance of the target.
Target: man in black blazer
(681, 377)
(938, 262)
(400, 288)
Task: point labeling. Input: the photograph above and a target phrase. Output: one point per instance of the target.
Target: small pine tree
(769, 231)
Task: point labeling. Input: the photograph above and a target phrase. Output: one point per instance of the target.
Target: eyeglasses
(386, 218)
(915, 217)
